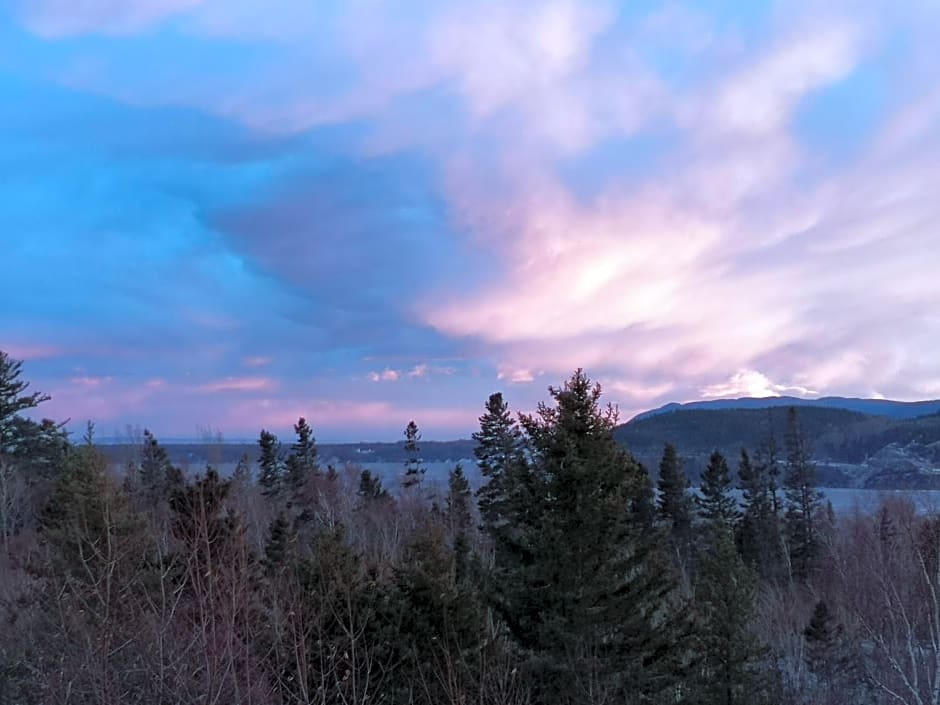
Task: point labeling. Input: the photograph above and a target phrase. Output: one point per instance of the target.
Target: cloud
(759, 98)
(523, 187)
(387, 375)
(515, 375)
(238, 384)
(751, 383)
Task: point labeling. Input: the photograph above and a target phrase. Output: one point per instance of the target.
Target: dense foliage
(563, 579)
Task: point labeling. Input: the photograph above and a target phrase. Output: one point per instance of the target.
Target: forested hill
(872, 407)
(851, 449)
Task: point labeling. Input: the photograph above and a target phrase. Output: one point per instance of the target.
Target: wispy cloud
(238, 384)
(358, 194)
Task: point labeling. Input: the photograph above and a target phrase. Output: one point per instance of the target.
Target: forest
(574, 574)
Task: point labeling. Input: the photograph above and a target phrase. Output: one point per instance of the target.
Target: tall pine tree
(802, 500)
(716, 503)
(589, 597)
(414, 467)
(301, 463)
(271, 475)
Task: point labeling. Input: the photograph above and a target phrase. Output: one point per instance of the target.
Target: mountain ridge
(873, 407)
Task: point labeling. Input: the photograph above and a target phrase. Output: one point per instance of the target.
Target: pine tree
(370, 486)
(155, 469)
(414, 467)
(277, 547)
(301, 463)
(757, 532)
(731, 670)
(14, 399)
(271, 477)
(588, 594)
(766, 461)
(827, 656)
(499, 455)
(802, 500)
(716, 504)
(675, 502)
(441, 625)
(460, 520)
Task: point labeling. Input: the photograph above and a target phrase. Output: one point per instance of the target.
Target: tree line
(571, 576)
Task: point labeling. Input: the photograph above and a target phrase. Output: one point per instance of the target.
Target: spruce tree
(757, 532)
(589, 596)
(832, 664)
(155, 469)
(370, 486)
(271, 476)
(277, 547)
(301, 463)
(716, 503)
(802, 500)
(14, 399)
(460, 520)
(731, 667)
(414, 467)
(499, 455)
(675, 502)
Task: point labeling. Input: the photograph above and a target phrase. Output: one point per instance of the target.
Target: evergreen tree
(643, 505)
(499, 456)
(460, 519)
(441, 624)
(155, 469)
(731, 671)
(271, 476)
(301, 463)
(766, 461)
(758, 533)
(675, 501)
(588, 596)
(829, 660)
(414, 467)
(802, 500)
(277, 547)
(370, 486)
(14, 399)
(717, 505)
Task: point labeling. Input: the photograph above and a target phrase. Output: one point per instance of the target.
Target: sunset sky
(230, 213)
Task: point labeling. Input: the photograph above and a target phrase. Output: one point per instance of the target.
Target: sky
(226, 214)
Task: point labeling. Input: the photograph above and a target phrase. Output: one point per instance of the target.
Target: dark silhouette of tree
(758, 533)
(14, 399)
(731, 670)
(459, 514)
(271, 475)
(586, 592)
(301, 465)
(802, 500)
(716, 504)
(414, 466)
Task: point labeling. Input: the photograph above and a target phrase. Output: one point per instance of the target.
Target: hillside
(872, 407)
(851, 449)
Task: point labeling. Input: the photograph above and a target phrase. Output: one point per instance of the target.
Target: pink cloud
(30, 351)
(514, 375)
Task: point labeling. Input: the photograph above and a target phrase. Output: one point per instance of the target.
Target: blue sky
(230, 213)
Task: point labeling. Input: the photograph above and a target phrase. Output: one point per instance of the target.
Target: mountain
(874, 407)
(850, 448)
